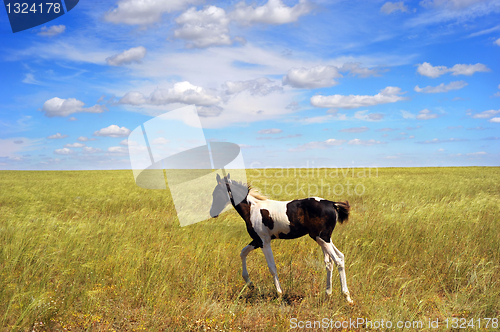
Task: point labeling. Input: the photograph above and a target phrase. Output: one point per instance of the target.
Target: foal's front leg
(244, 253)
(268, 253)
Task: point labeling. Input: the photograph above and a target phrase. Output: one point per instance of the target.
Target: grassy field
(91, 251)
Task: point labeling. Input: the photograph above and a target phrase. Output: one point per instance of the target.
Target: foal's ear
(218, 178)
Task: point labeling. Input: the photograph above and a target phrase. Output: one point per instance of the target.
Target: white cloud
(439, 11)
(355, 130)
(279, 137)
(11, 147)
(369, 142)
(494, 120)
(442, 87)
(484, 32)
(484, 115)
(135, 54)
(209, 111)
(362, 115)
(133, 98)
(449, 4)
(89, 149)
(113, 131)
(245, 62)
(244, 107)
(141, 12)
(315, 77)
(260, 86)
(322, 118)
(85, 139)
(497, 42)
(426, 69)
(334, 142)
(64, 151)
(51, 31)
(64, 107)
(480, 153)
(318, 145)
(270, 131)
(354, 68)
(30, 79)
(407, 115)
(184, 92)
(450, 140)
(118, 149)
(181, 92)
(204, 28)
(390, 7)
(388, 95)
(74, 145)
(426, 114)
(468, 70)
(57, 136)
(273, 12)
(385, 129)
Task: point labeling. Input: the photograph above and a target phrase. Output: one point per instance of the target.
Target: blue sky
(294, 83)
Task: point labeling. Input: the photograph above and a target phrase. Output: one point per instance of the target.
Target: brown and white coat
(267, 219)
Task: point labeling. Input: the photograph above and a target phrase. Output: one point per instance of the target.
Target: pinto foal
(266, 220)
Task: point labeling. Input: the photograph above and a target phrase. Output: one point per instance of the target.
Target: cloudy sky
(295, 83)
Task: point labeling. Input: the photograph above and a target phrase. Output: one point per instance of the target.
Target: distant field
(91, 251)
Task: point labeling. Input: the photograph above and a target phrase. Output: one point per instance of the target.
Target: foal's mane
(254, 192)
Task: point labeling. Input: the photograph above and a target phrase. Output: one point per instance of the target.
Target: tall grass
(91, 251)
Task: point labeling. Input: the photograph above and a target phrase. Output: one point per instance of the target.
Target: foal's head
(220, 196)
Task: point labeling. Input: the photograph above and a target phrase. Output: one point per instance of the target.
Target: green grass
(91, 251)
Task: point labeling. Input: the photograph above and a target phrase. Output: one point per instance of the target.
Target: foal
(266, 219)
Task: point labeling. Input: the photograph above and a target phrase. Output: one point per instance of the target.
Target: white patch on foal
(277, 212)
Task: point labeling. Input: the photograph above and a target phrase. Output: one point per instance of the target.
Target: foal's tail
(343, 209)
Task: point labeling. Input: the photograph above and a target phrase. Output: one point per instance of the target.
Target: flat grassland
(91, 251)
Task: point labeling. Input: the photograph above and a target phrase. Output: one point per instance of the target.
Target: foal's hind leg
(338, 259)
(244, 253)
(329, 269)
(341, 269)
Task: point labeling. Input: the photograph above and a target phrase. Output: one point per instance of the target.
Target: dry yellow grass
(91, 251)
